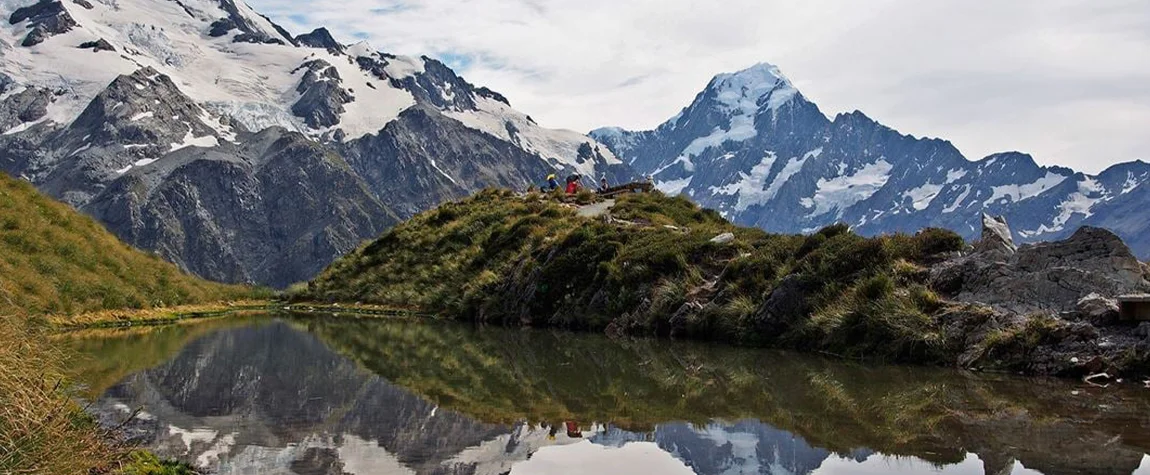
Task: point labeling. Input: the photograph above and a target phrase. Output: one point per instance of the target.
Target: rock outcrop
(46, 19)
(320, 38)
(1047, 277)
(322, 95)
(996, 236)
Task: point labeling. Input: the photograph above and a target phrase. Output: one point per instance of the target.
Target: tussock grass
(41, 430)
(56, 264)
(56, 261)
(651, 268)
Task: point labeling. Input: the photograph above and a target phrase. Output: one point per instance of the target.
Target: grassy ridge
(56, 263)
(653, 269)
(54, 260)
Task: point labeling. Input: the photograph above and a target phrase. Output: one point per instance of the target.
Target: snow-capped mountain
(754, 148)
(203, 131)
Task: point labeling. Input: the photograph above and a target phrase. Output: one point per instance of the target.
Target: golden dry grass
(56, 261)
(42, 430)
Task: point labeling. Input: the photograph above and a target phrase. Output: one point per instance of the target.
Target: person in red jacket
(573, 184)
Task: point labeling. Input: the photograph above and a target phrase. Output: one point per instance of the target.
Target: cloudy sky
(1067, 81)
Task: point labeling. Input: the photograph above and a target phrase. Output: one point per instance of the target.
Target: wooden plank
(1134, 308)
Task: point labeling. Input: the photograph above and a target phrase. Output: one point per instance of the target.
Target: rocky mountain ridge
(755, 148)
(203, 131)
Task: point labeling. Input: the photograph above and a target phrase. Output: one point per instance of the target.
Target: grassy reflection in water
(100, 358)
(502, 375)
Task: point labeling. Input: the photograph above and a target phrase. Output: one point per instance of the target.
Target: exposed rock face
(46, 19)
(425, 158)
(274, 210)
(996, 236)
(320, 38)
(322, 95)
(97, 46)
(28, 105)
(1048, 277)
(249, 24)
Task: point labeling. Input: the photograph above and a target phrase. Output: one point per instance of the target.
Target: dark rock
(46, 18)
(83, 3)
(1143, 330)
(28, 105)
(275, 210)
(221, 27)
(425, 158)
(488, 93)
(784, 308)
(258, 38)
(98, 45)
(1050, 277)
(322, 95)
(6, 83)
(320, 38)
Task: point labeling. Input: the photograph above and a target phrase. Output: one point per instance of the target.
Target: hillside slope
(655, 265)
(55, 260)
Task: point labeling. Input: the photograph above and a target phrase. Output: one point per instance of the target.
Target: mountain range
(203, 131)
(754, 148)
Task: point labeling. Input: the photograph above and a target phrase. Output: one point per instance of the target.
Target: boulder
(1049, 277)
(1098, 310)
(996, 236)
(724, 238)
(785, 306)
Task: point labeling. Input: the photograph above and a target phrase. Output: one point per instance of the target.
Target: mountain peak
(744, 89)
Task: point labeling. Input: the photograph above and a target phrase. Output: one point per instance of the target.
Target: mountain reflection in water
(333, 396)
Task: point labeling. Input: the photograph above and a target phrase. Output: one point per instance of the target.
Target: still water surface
(333, 396)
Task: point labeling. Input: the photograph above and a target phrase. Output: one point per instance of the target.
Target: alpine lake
(307, 394)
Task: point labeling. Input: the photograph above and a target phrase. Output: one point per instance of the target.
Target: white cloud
(1065, 80)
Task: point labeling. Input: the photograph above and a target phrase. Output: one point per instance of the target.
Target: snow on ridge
(554, 145)
(1081, 202)
(958, 202)
(190, 140)
(955, 175)
(738, 95)
(673, 187)
(1017, 193)
(921, 197)
(843, 191)
(754, 188)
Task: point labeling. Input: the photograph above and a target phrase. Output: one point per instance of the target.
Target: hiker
(573, 430)
(573, 184)
(603, 184)
(552, 182)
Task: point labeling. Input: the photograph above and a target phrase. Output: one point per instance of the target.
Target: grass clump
(41, 429)
(652, 268)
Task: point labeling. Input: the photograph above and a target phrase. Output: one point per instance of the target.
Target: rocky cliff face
(753, 147)
(204, 132)
(1045, 308)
